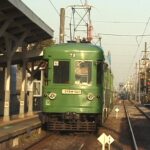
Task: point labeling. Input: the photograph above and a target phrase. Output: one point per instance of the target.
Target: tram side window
(61, 72)
(99, 72)
(83, 72)
(45, 66)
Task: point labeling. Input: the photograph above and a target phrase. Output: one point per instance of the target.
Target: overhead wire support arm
(80, 18)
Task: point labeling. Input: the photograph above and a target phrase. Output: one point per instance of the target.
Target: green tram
(78, 87)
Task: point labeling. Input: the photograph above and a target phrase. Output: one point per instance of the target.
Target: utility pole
(144, 74)
(139, 81)
(136, 81)
(62, 25)
(145, 61)
(100, 40)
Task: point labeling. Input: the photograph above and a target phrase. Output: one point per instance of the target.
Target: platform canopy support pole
(23, 89)
(7, 81)
(11, 49)
(7, 70)
(30, 90)
(7, 92)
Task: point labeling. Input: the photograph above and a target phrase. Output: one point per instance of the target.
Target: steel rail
(147, 116)
(36, 142)
(131, 129)
(82, 145)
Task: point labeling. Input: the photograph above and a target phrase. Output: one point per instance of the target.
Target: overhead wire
(81, 2)
(132, 35)
(144, 32)
(54, 8)
(138, 45)
(126, 22)
(109, 34)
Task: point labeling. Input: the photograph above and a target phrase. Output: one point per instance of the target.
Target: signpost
(116, 110)
(103, 139)
(109, 141)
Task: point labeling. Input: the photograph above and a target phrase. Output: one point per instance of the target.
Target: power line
(132, 35)
(54, 8)
(103, 21)
(144, 32)
(125, 22)
(139, 44)
(81, 2)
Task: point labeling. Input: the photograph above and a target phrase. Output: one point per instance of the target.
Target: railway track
(63, 142)
(139, 123)
(116, 126)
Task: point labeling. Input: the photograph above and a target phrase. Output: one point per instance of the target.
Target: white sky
(119, 17)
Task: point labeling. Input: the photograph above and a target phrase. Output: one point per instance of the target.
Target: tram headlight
(90, 96)
(52, 95)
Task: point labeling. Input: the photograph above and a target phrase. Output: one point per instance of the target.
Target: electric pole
(136, 81)
(139, 86)
(62, 25)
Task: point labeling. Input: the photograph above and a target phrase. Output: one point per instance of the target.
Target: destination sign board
(70, 91)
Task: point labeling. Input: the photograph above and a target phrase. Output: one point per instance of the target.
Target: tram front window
(61, 72)
(83, 72)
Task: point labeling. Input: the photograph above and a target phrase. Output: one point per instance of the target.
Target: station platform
(17, 127)
(15, 119)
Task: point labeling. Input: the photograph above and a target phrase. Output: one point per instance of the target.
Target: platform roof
(16, 18)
